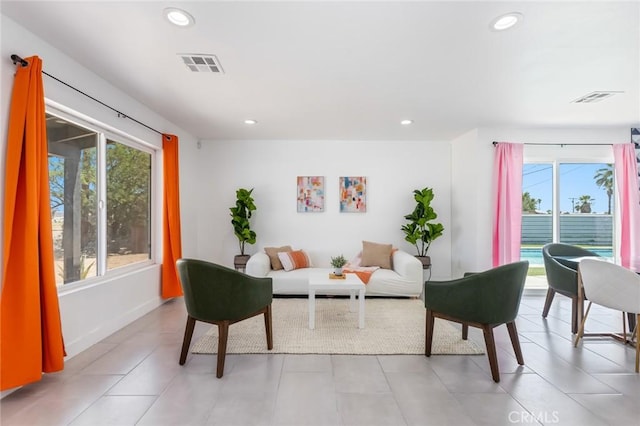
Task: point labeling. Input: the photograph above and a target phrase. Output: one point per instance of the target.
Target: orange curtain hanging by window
(171, 237)
(31, 340)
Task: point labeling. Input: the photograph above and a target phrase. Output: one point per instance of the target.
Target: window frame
(556, 154)
(106, 132)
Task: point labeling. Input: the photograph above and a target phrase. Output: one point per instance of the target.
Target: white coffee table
(320, 283)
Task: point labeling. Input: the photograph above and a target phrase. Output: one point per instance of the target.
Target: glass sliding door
(565, 202)
(586, 206)
(537, 218)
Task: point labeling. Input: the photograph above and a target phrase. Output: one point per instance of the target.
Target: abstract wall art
(353, 194)
(310, 194)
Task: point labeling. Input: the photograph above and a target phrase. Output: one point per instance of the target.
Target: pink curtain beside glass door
(507, 207)
(626, 168)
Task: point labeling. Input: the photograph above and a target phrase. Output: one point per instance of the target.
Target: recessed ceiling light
(504, 22)
(179, 17)
(250, 122)
(406, 122)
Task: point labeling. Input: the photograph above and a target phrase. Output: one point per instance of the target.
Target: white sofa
(405, 279)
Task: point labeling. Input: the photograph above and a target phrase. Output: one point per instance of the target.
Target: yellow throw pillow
(296, 259)
(374, 254)
(272, 252)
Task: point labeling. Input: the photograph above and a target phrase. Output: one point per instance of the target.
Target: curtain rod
(18, 60)
(494, 143)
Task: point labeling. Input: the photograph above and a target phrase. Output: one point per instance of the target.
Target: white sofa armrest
(258, 265)
(407, 266)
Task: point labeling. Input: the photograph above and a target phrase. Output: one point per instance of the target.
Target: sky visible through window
(576, 180)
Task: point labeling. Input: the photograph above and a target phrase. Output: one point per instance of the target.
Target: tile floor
(133, 378)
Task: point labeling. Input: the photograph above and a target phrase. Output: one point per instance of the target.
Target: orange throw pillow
(296, 259)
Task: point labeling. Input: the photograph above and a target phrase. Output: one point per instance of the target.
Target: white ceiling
(353, 70)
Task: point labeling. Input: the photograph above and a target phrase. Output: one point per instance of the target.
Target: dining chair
(222, 296)
(562, 277)
(612, 286)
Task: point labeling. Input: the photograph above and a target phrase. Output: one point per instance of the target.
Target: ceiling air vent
(201, 63)
(593, 97)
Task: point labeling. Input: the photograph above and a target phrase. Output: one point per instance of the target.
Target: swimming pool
(534, 255)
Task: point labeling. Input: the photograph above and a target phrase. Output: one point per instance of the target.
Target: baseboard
(73, 348)
(535, 291)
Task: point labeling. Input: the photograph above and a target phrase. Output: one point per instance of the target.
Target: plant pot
(425, 260)
(337, 271)
(240, 261)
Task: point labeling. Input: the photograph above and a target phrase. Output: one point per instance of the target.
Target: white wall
(393, 170)
(92, 313)
(472, 168)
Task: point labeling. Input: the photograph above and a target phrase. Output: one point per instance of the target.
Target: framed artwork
(310, 194)
(353, 194)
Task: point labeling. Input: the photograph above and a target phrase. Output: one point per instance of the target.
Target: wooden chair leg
(581, 330)
(547, 302)
(637, 328)
(223, 335)
(188, 333)
(515, 342)
(490, 343)
(428, 333)
(268, 327)
(465, 331)
(574, 315)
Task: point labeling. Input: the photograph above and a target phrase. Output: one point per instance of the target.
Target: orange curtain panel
(31, 340)
(171, 238)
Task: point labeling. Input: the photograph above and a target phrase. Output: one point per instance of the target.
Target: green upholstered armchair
(222, 296)
(562, 277)
(484, 300)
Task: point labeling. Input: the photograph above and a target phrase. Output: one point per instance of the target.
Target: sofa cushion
(296, 259)
(272, 252)
(375, 254)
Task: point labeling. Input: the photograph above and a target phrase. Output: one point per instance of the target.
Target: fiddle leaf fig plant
(240, 215)
(420, 231)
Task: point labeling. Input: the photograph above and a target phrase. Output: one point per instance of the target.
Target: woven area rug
(392, 326)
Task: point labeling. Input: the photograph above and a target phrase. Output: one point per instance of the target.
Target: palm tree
(604, 179)
(528, 203)
(584, 205)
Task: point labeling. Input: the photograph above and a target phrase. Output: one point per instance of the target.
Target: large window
(100, 188)
(128, 204)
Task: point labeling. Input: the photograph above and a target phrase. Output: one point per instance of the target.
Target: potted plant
(420, 231)
(240, 215)
(338, 262)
